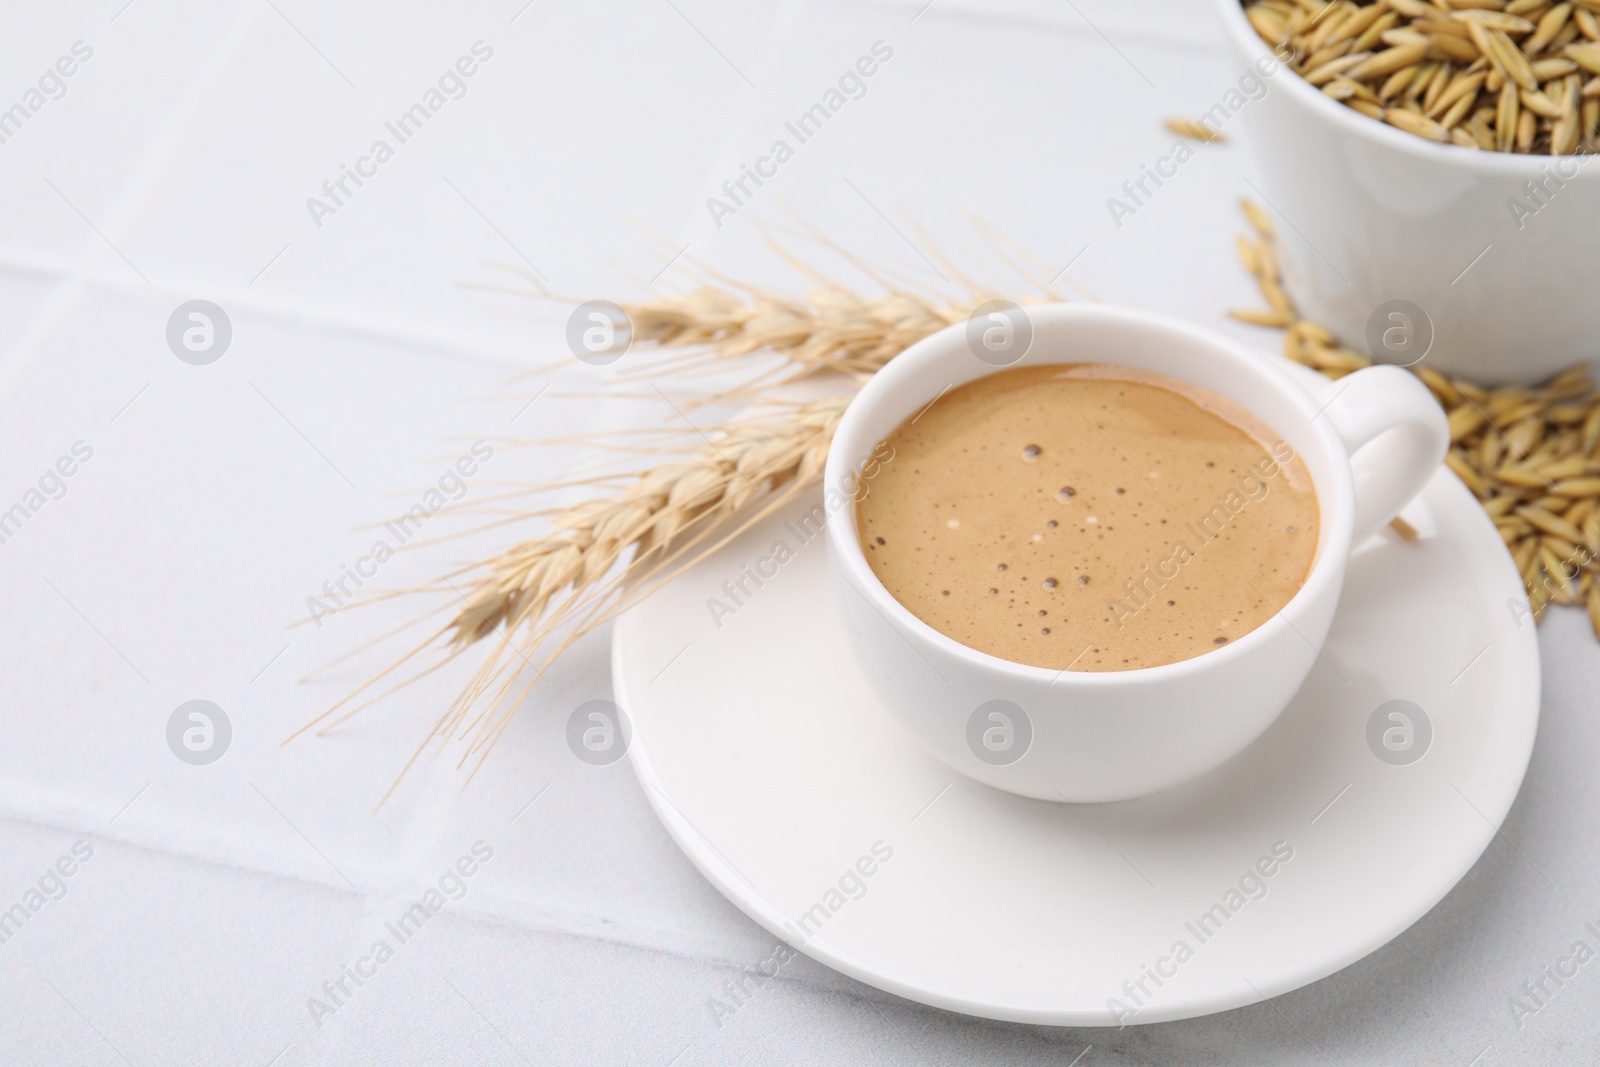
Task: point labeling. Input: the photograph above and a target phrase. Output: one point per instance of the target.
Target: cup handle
(1367, 405)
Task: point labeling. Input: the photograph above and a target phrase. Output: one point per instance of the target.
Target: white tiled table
(219, 899)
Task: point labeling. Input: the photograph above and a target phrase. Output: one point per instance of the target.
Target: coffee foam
(1089, 517)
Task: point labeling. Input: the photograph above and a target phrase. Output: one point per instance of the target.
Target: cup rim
(1327, 567)
(1497, 163)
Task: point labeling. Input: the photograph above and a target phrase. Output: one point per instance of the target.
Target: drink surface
(1089, 517)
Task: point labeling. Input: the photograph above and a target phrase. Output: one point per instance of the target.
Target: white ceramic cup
(1498, 250)
(1083, 736)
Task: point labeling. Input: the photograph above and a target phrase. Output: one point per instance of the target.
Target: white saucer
(772, 766)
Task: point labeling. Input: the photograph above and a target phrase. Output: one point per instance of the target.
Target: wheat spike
(741, 464)
(598, 557)
(832, 328)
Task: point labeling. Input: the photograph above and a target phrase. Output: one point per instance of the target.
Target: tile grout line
(124, 209)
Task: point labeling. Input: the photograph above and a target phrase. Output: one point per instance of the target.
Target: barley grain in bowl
(1501, 77)
(1439, 155)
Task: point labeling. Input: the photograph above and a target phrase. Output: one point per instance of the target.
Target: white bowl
(1369, 214)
